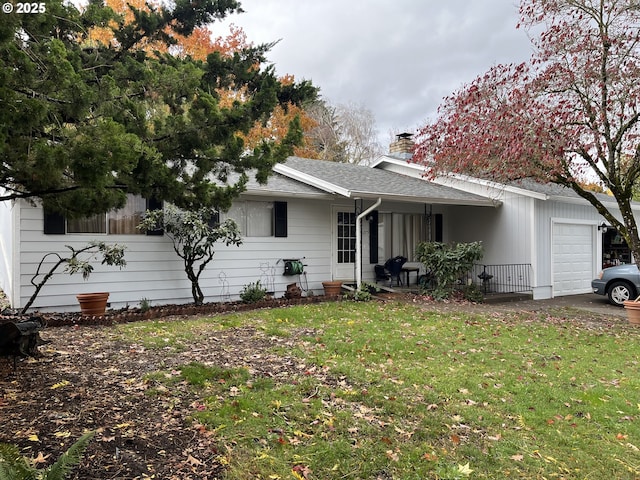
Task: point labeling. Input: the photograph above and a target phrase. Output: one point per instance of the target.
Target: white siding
(155, 272)
(505, 231)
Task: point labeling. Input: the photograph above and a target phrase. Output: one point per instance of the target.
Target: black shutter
(280, 219)
(54, 223)
(373, 237)
(214, 220)
(438, 232)
(154, 204)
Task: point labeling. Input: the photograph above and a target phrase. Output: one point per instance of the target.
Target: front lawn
(342, 390)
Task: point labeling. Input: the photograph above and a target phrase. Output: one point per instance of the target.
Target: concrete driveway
(589, 302)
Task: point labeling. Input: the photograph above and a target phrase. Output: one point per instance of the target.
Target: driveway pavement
(589, 302)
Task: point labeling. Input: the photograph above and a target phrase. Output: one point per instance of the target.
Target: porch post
(359, 241)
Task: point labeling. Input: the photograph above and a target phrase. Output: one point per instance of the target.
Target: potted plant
(332, 288)
(633, 311)
(93, 304)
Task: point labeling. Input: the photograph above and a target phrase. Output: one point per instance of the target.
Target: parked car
(619, 283)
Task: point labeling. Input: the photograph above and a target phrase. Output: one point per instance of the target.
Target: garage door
(573, 258)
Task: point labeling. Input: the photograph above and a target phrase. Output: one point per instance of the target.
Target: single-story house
(339, 220)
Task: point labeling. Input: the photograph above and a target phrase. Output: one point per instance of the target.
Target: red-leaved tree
(567, 116)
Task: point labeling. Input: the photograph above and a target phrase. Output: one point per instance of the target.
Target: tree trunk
(196, 291)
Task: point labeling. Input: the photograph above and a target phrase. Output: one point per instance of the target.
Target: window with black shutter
(54, 223)
(154, 204)
(373, 237)
(280, 219)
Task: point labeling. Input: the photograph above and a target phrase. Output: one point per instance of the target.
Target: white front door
(343, 243)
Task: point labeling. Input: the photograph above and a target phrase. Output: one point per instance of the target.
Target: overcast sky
(397, 58)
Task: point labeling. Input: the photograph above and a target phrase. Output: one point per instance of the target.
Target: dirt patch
(86, 380)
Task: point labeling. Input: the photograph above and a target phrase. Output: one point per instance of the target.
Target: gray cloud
(399, 59)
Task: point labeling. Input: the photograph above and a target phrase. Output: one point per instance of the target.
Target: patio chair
(394, 267)
(381, 273)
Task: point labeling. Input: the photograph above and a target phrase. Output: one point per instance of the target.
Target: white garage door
(573, 258)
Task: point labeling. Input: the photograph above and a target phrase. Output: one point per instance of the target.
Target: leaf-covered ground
(87, 379)
(94, 378)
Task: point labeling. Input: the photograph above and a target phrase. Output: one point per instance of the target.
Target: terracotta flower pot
(332, 288)
(93, 304)
(633, 311)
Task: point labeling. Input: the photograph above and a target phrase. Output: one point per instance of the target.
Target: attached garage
(573, 258)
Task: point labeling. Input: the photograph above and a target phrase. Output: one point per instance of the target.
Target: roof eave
(311, 180)
(426, 199)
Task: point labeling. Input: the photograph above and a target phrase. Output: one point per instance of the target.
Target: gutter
(359, 241)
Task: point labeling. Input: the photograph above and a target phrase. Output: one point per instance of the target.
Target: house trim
(16, 247)
(311, 180)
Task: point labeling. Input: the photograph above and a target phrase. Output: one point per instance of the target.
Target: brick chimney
(402, 146)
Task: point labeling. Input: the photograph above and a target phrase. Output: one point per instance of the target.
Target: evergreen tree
(83, 122)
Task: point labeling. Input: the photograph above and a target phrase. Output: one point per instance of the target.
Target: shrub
(364, 293)
(253, 292)
(145, 305)
(14, 466)
(448, 263)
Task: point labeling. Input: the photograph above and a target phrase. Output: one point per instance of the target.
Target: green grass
(391, 391)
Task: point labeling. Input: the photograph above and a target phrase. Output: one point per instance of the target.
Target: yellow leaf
(34, 438)
(64, 434)
(61, 384)
(464, 469)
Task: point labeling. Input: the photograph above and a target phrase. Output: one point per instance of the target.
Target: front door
(344, 243)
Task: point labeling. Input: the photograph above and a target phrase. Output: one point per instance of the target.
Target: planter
(93, 304)
(332, 288)
(633, 311)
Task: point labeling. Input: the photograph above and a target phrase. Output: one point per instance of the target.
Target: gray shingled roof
(278, 183)
(369, 182)
(556, 190)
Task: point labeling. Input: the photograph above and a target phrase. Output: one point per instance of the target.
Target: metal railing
(507, 278)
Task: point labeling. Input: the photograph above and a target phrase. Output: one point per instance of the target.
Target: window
(123, 221)
(346, 237)
(92, 224)
(126, 220)
(401, 233)
(260, 219)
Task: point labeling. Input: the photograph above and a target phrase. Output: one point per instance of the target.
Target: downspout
(359, 241)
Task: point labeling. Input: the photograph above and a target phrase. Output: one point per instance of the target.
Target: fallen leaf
(518, 457)
(40, 458)
(34, 438)
(61, 384)
(464, 469)
(393, 456)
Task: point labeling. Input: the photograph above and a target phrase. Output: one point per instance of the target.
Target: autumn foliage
(199, 45)
(569, 115)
